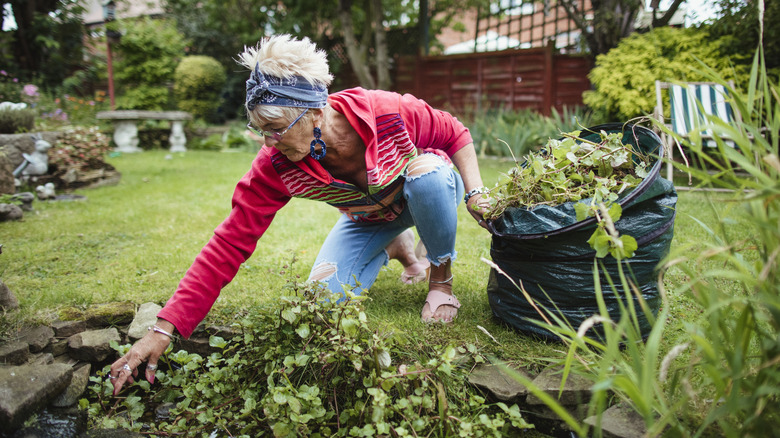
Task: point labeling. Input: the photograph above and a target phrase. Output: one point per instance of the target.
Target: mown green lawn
(134, 241)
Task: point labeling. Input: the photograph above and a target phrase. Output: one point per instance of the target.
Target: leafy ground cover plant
(80, 147)
(79, 151)
(309, 365)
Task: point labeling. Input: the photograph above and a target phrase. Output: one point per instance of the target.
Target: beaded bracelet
(157, 329)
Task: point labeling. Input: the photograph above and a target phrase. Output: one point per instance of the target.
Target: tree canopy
(612, 20)
(736, 25)
(46, 43)
(362, 35)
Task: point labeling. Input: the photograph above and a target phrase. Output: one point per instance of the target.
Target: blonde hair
(283, 56)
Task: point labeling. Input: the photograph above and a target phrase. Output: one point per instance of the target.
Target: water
(54, 423)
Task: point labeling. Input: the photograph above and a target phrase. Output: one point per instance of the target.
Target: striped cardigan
(394, 128)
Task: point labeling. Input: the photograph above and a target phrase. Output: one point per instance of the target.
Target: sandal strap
(437, 298)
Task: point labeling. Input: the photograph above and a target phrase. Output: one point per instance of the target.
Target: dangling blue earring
(317, 141)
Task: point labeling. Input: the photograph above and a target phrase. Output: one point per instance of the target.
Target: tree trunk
(25, 12)
(380, 39)
(356, 55)
(23, 15)
(664, 19)
(424, 24)
(612, 21)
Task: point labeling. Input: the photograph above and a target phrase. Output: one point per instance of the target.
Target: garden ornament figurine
(177, 139)
(27, 159)
(38, 161)
(45, 191)
(386, 161)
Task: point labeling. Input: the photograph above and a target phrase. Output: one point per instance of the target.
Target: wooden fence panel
(571, 80)
(535, 79)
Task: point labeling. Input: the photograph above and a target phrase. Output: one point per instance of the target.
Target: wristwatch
(475, 191)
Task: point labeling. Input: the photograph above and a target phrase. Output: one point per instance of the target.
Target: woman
(383, 159)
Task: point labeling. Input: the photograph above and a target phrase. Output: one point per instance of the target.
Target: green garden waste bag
(546, 250)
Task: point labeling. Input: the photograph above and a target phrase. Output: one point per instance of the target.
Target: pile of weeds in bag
(591, 198)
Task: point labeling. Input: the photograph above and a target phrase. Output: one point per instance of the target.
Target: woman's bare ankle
(441, 278)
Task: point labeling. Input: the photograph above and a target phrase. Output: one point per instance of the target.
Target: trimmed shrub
(624, 79)
(147, 56)
(199, 81)
(13, 121)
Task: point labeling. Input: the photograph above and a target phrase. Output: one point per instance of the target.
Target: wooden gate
(536, 79)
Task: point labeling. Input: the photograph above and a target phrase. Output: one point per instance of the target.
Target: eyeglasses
(274, 134)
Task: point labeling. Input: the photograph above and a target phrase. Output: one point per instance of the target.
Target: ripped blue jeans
(355, 251)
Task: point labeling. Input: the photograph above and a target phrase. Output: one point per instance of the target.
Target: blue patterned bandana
(295, 92)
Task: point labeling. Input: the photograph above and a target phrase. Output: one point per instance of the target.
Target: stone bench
(126, 131)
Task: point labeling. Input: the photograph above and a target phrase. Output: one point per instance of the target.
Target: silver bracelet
(474, 192)
(161, 331)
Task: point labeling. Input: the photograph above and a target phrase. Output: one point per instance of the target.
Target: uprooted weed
(309, 365)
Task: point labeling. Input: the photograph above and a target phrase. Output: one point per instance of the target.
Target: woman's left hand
(477, 206)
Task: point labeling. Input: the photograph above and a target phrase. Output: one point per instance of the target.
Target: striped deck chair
(686, 103)
(686, 114)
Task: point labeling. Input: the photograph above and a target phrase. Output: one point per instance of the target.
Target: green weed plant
(79, 148)
(309, 365)
(571, 169)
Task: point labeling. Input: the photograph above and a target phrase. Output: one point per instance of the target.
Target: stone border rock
(48, 367)
(619, 421)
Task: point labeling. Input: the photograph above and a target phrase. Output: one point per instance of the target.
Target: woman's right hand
(147, 349)
(477, 205)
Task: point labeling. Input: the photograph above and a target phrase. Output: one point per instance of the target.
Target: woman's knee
(323, 271)
(423, 165)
